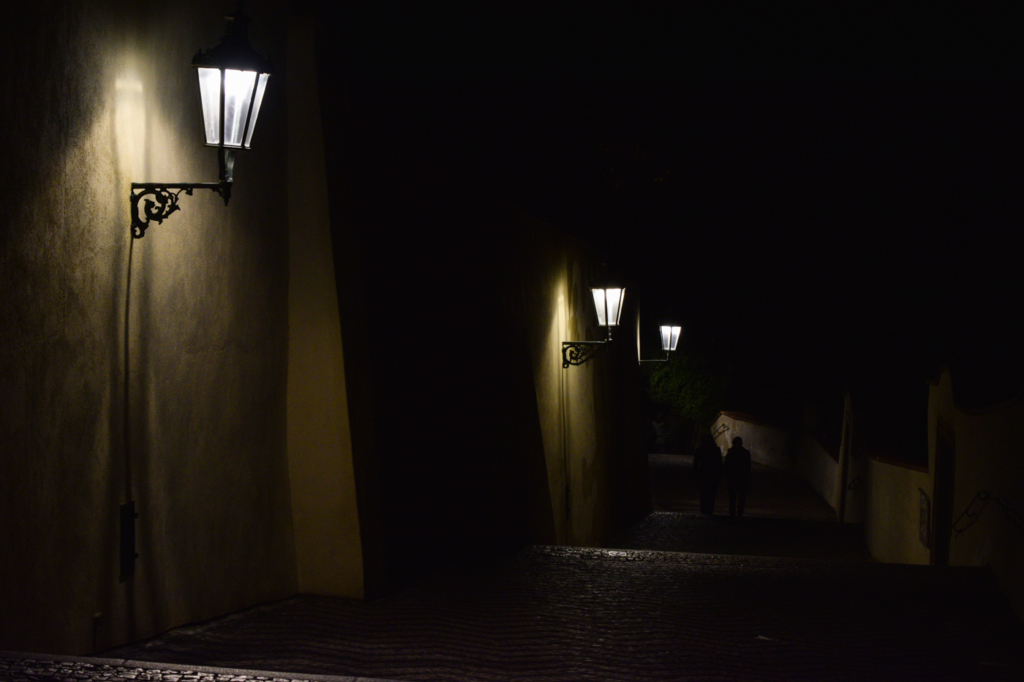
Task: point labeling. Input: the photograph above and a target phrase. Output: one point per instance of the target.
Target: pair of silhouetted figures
(709, 467)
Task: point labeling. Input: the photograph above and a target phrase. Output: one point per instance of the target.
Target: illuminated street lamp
(232, 81)
(669, 340)
(608, 303)
(670, 337)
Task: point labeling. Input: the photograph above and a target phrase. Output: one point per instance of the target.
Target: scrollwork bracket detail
(155, 202)
(579, 352)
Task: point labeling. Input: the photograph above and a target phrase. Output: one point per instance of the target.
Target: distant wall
(589, 415)
(989, 456)
(768, 444)
(892, 513)
(816, 466)
(98, 95)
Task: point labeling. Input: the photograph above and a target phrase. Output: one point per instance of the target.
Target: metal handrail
(984, 497)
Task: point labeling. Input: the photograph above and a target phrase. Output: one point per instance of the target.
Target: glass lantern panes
(670, 337)
(232, 81)
(261, 87)
(609, 305)
(243, 93)
(209, 94)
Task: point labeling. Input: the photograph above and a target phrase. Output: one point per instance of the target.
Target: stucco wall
(892, 513)
(817, 467)
(99, 95)
(989, 456)
(768, 444)
(324, 506)
(596, 476)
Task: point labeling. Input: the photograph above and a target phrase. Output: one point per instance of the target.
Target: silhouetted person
(737, 476)
(707, 468)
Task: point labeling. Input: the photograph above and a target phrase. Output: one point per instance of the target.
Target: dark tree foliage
(689, 386)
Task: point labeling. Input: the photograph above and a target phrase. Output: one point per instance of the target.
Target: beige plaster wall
(324, 508)
(586, 443)
(103, 94)
(892, 513)
(989, 456)
(768, 445)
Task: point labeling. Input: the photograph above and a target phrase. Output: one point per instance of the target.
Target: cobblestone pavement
(15, 667)
(551, 613)
(632, 613)
(753, 536)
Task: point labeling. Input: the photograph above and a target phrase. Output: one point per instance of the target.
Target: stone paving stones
(755, 536)
(715, 606)
(17, 667)
(555, 613)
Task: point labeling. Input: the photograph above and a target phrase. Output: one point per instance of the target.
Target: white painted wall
(768, 444)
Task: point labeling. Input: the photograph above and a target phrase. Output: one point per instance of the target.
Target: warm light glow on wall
(129, 119)
(128, 85)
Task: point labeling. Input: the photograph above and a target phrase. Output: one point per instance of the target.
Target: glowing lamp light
(239, 95)
(669, 340)
(608, 302)
(670, 337)
(232, 80)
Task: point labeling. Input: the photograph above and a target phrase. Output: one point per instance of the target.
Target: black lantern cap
(234, 50)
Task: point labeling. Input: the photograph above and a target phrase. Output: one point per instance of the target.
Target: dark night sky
(819, 197)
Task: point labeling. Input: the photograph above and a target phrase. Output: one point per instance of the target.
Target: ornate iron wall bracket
(578, 352)
(153, 202)
(970, 515)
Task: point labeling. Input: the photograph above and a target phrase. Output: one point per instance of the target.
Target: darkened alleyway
(553, 613)
(785, 517)
(589, 614)
(810, 606)
(773, 493)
